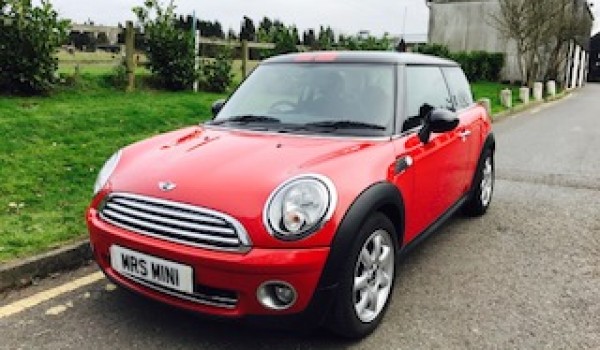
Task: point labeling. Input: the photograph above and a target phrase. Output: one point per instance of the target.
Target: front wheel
(483, 186)
(367, 280)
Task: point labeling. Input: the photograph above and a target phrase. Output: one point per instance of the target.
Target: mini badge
(166, 186)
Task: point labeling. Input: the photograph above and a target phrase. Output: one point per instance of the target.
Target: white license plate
(151, 269)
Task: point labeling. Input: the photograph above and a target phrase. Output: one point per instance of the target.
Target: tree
(265, 25)
(541, 32)
(232, 35)
(309, 38)
(326, 39)
(29, 38)
(284, 39)
(170, 50)
(248, 30)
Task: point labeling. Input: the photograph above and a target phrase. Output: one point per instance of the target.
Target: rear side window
(460, 89)
(426, 89)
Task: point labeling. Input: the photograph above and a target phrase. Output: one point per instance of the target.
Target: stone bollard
(524, 94)
(538, 92)
(551, 88)
(506, 98)
(487, 104)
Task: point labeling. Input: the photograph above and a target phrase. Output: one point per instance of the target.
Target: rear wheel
(367, 280)
(483, 186)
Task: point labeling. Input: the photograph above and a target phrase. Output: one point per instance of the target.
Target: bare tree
(542, 31)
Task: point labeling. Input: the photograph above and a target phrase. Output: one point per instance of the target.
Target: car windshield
(351, 99)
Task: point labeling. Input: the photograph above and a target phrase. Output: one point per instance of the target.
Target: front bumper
(233, 275)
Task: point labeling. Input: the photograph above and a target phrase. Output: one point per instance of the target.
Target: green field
(103, 63)
(52, 148)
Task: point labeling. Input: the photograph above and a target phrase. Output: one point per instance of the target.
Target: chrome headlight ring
(300, 206)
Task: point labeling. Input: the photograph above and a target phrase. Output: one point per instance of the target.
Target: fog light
(285, 294)
(276, 295)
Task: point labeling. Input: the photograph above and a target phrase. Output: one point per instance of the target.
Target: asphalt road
(525, 276)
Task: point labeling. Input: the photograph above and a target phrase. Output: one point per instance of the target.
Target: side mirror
(438, 121)
(217, 106)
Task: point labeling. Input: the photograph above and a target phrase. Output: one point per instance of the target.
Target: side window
(426, 89)
(459, 87)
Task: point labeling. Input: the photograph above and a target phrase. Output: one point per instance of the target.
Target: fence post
(538, 91)
(487, 104)
(129, 52)
(524, 95)
(551, 88)
(506, 98)
(245, 56)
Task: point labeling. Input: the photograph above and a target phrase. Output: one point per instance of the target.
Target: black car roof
(388, 57)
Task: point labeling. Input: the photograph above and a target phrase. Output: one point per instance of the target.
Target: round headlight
(107, 170)
(300, 206)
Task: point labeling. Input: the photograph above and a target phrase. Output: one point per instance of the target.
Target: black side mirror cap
(217, 107)
(439, 120)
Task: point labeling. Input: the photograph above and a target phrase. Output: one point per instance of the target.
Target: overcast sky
(348, 16)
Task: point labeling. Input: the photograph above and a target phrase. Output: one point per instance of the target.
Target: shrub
(118, 76)
(216, 73)
(477, 65)
(170, 50)
(370, 43)
(434, 50)
(29, 38)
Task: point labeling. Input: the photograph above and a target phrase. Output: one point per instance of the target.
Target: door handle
(464, 134)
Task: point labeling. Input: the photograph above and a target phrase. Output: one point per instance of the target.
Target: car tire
(367, 280)
(483, 186)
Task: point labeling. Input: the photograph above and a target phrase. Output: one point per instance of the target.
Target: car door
(470, 118)
(437, 166)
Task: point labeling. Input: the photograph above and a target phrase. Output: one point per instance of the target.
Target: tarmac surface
(526, 275)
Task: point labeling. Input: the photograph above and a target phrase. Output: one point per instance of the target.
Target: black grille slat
(178, 222)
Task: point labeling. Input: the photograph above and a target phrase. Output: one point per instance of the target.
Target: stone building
(469, 25)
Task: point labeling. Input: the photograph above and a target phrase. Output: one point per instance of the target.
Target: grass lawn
(485, 89)
(52, 149)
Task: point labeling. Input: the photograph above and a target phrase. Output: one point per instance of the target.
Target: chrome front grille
(176, 222)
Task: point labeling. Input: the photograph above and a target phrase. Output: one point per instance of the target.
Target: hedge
(478, 65)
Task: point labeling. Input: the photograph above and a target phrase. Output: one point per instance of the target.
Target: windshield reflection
(353, 98)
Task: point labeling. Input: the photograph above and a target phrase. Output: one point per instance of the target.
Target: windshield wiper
(346, 124)
(248, 118)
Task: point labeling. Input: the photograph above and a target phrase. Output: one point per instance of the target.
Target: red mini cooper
(294, 203)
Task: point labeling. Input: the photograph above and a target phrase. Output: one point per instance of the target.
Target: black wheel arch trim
(489, 143)
(382, 196)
